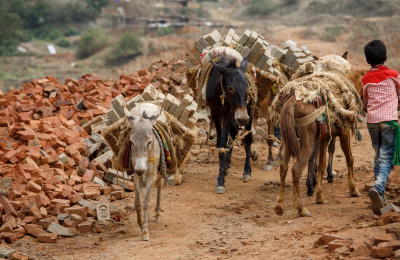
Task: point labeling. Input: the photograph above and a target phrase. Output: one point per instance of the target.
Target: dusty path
(198, 223)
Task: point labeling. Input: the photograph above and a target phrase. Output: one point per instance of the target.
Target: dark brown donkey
(309, 139)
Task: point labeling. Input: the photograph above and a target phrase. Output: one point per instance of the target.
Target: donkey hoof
(304, 213)
(220, 189)
(330, 180)
(279, 209)
(276, 163)
(322, 201)
(227, 171)
(268, 167)
(157, 220)
(145, 237)
(246, 177)
(355, 193)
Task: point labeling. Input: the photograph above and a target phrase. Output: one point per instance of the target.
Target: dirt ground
(198, 223)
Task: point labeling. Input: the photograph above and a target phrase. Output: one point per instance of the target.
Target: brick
(8, 155)
(338, 243)
(381, 252)
(103, 211)
(61, 203)
(42, 199)
(118, 194)
(75, 198)
(198, 46)
(113, 115)
(227, 41)
(105, 190)
(390, 207)
(47, 238)
(85, 227)
(118, 104)
(327, 238)
(245, 52)
(170, 103)
(76, 218)
(34, 187)
(127, 185)
(382, 237)
(81, 211)
(50, 159)
(395, 244)
(6, 252)
(9, 225)
(91, 190)
(88, 176)
(34, 230)
(187, 100)
(30, 220)
(26, 135)
(7, 207)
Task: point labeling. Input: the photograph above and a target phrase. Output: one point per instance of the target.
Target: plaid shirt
(381, 93)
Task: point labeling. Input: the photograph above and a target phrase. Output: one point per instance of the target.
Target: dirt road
(198, 223)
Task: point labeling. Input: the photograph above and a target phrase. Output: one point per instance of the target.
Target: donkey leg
(320, 199)
(233, 132)
(284, 166)
(138, 197)
(346, 148)
(159, 184)
(223, 156)
(311, 173)
(270, 143)
(146, 206)
(331, 151)
(248, 140)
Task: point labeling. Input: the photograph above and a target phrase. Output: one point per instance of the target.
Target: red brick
(42, 199)
(382, 237)
(105, 190)
(34, 187)
(120, 194)
(395, 244)
(116, 187)
(9, 225)
(8, 155)
(34, 230)
(63, 204)
(75, 198)
(26, 135)
(81, 211)
(30, 219)
(85, 227)
(47, 237)
(7, 207)
(381, 252)
(91, 190)
(338, 243)
(88, 176)
(50, 159)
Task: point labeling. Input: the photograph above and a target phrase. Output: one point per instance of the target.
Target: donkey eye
(231, 89)
(149, 144)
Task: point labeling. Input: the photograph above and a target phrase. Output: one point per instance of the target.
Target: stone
(390, 207)
(97, 180)
(6, 252)
(85, 227)
(103, 211)
(395, 244)
(86, 203)
(5, 185)
(47, 237)
(396, 254)
(381, 252)
(59, 230)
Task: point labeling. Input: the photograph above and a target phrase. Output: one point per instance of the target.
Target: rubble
(54, 163)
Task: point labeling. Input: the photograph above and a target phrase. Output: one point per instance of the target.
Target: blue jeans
(382, 137)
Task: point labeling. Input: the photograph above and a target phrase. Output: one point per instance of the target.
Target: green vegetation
(127, 47)
(23, 20)
(261, 7)
(63, 42)
(92, 41)
(165, 30)
(331, 33)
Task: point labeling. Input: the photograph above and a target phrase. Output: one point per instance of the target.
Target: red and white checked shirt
(381, 93)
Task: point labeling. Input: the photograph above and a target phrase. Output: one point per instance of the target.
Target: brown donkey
(309, 139)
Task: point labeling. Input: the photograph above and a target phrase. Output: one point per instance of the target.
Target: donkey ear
(315, 57)
(223, 59)
(344, 56)
(221, 69)
(129, 116)
(243, 65)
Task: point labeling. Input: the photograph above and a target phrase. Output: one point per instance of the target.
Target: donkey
(145, 156)
(355, 77)
(227, 98)
(309, 138)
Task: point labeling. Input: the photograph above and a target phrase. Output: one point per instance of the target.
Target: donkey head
(234, 84)
(142, 139)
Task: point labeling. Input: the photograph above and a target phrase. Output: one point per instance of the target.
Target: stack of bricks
(252, 46)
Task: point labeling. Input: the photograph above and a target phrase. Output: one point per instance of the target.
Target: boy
(381, 91)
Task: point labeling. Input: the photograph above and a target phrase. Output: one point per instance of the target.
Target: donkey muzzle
(140, 166)
(241, 116)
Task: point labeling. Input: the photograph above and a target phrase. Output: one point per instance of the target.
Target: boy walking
(381, 91)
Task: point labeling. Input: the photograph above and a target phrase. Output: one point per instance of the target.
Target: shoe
(377, 201)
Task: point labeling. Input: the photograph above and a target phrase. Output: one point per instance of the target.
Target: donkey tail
(287, 127)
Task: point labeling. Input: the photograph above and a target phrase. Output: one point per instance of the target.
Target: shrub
(63, 42)
(92, 41)
(331, 33)
(11, 32)
(127, 47)
(165, 30)
(70, 32)
(261, 7)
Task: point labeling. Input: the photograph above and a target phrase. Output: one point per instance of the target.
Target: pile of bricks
(252, 46)
(381, 246)
(54, 164)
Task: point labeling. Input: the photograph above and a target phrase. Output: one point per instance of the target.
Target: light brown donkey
(309, 135)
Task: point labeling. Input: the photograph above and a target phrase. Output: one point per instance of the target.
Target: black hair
(375, 52)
